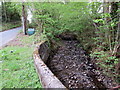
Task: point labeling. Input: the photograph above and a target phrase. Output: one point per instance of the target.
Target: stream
(74, 68)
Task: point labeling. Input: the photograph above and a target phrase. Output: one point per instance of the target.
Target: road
(8, 35)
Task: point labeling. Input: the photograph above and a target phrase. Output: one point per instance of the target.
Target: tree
(24, 18)
(9, 12)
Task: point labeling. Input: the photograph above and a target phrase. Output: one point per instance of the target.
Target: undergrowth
(107, 64)
(9, 25)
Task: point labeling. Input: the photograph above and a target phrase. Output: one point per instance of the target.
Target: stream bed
(74, 68)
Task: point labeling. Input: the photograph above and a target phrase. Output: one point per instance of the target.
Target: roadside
(8, 35)
(17, 63)
(9, 25)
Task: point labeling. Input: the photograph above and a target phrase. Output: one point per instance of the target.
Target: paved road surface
(8, 35)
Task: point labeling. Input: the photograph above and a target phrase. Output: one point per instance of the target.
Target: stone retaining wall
(47, 78)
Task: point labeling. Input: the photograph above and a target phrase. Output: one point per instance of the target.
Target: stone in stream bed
(73, 68)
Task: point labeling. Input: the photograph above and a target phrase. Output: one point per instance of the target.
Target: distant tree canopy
(9, 12)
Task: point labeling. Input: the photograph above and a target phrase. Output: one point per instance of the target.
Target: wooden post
(24, 19)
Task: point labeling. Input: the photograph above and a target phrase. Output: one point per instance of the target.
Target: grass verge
(9, 25)
(18, 66)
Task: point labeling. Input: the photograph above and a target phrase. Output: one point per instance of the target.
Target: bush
(106, 62)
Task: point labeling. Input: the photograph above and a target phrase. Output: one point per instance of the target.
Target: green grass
(18, 66)
(9, 25)
(0, 75)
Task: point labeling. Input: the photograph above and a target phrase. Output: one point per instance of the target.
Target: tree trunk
(24, 19)
(5, 13)
(114, 8)
(106, 9)
(116, 15)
